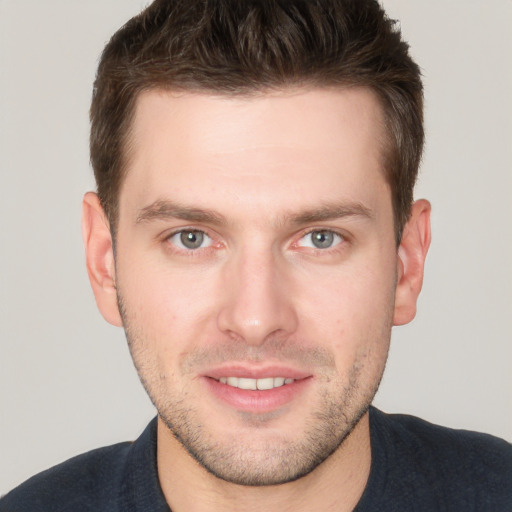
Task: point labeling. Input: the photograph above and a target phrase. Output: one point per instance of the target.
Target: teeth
(247, 383)
(261, 384)
(268, 383)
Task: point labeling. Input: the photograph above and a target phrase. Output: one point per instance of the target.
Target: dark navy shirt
(416, 466)
(118, 478)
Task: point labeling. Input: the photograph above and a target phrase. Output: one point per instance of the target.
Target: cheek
(165, 307)
(351, 310)
(352, 295)
(163, 290)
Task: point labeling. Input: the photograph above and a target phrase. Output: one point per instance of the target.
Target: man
(254, 233)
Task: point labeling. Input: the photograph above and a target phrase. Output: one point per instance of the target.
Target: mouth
(256, 384)
(254, 390)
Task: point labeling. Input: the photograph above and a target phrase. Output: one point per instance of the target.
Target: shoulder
(410, 433)
(81, 483)
(454, 466)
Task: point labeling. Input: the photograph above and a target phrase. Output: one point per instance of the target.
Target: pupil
(192, 239)
(322, 239)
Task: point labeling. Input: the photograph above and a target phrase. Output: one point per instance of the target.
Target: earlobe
(100, 258)
(412, 253)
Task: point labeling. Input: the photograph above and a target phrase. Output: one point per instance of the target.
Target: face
(256, 273)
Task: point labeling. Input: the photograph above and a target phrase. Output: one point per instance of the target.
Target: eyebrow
(332, 211)
(165, 210)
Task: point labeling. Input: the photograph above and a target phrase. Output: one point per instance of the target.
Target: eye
(320, 239)
(190, 239)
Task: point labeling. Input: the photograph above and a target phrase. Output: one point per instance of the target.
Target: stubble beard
(239, 461)
(279, 460)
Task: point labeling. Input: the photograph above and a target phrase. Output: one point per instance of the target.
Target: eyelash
(189, 251)
(215, 244)
(336, 247)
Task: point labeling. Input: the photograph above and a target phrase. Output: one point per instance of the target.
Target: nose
(257, 300)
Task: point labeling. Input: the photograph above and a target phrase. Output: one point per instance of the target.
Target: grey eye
(321, 239)
(191, 239)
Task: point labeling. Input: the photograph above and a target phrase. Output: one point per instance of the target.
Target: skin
(254, 176)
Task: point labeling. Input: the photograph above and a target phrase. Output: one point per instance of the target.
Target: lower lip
(257, 401)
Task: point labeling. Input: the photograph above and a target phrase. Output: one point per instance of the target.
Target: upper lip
(255, 372)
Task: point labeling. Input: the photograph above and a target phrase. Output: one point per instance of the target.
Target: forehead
(261, 150)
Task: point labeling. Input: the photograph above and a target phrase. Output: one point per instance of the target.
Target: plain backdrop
(67, 383)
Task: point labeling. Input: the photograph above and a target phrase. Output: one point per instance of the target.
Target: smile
(256, 384)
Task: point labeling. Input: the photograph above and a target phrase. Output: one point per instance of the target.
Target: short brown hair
(239, 47)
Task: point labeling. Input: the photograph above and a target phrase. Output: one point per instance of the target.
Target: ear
(411, 261)
(100, 258)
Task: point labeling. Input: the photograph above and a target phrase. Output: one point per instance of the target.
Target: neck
(335, 485)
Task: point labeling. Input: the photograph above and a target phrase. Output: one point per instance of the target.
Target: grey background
(67, 383)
